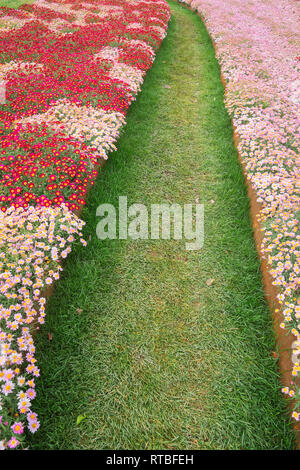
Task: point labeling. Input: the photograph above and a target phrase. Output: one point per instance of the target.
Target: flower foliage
(257, 45)
(71, 69)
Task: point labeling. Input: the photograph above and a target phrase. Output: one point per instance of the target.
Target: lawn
(135, 340)
(14, 3)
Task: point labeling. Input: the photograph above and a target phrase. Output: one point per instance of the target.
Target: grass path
(152, 356)
(14, 3)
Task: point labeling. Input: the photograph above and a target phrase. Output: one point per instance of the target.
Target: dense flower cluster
(71, 69)
(32, 241)
(37, 167)
(257, 45)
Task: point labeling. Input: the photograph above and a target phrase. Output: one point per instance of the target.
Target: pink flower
(34, 426)
(13, 443)
(31, 417)
(18, 428)
(31, 393)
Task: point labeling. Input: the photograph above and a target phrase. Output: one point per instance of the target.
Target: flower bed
(71, 70)
(257, 46)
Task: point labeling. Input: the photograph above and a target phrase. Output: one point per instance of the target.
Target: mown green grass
(14, 3)
(152, 356)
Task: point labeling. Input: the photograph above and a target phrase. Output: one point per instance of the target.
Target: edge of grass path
(14, 3)
(141, 346)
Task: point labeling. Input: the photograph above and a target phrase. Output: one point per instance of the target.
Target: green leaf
(79, 419)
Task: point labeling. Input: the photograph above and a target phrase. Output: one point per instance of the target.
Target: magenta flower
(18, 428)
(13, 443)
